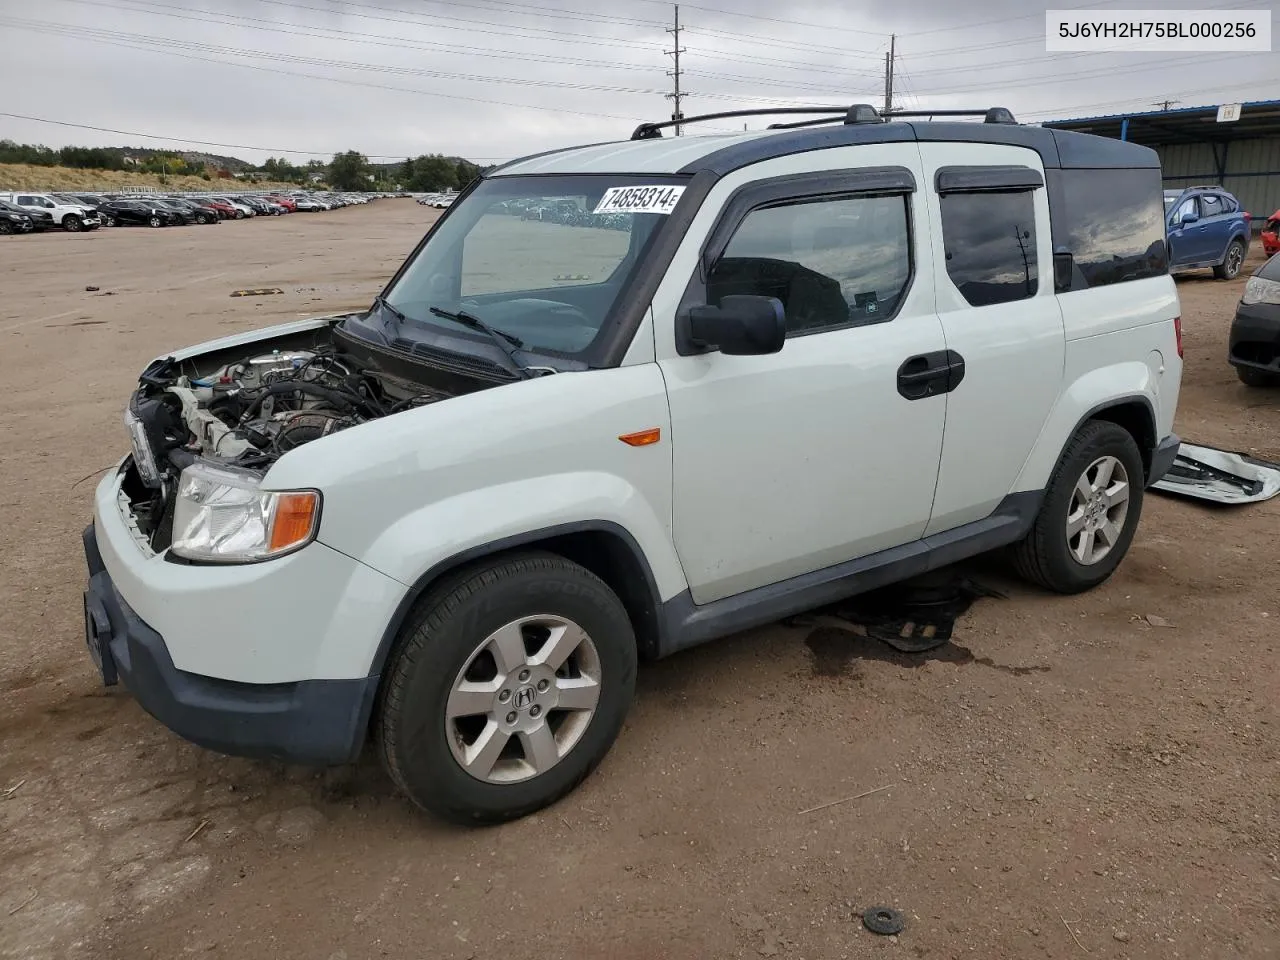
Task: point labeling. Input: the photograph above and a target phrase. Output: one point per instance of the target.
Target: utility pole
(888, 74)
(1165, 104)
(677, 114)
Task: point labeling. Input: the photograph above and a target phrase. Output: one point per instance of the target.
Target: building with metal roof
(1236, 146)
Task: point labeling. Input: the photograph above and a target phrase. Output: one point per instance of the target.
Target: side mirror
(1188, 218)
(742, 325)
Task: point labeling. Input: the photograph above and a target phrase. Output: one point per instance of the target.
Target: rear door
(993, 276)
(1215, 225)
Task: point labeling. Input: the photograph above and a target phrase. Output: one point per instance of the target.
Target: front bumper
(1255, 337)
(1162, 458)
(310, 721)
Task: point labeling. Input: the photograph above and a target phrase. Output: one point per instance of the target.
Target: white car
(71, 217)
(755, 374)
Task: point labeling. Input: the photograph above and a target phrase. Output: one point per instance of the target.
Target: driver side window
(833, 262)
(1188, 206)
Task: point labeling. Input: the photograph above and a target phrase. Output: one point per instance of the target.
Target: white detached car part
(713, 382)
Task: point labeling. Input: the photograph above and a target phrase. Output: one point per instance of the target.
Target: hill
(23, 176)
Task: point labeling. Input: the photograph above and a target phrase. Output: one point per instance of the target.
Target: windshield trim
(632, 304)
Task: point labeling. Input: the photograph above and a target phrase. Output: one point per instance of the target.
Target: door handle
(930, 374)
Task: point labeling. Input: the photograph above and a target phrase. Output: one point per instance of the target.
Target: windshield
(531, 257)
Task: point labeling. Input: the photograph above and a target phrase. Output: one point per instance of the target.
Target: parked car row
(438, 200)
(564, 210)
(28, 212)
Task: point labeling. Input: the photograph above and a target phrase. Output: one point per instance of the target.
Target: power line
(184, 48)
(204, 143)
(359, 83)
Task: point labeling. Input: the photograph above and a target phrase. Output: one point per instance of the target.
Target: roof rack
(990, 115)
(858, 113)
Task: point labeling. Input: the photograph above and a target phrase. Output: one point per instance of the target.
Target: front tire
(1253, 377)
(1090, 512)
(1229, 269)
(72, 224)
(509, 683)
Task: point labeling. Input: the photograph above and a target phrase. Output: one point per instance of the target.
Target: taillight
(1177, 332)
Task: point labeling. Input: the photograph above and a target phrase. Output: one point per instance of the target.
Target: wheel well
(610, 555)
(611, 559)
(1135, 417)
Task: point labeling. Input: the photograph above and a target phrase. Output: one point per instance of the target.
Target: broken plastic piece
(1220, 476)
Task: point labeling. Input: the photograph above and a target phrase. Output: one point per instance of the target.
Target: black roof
(1057, 148)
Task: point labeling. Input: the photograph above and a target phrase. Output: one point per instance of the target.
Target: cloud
(495, 79)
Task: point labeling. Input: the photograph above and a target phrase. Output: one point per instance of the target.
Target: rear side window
(1229, 205)
(990, 242)
(1212, 204)
(1111, 222)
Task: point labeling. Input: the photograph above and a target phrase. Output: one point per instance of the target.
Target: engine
(261, 407)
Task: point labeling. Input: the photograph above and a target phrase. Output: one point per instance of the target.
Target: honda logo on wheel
(524, 697)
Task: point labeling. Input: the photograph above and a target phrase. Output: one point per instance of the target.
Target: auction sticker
(639, 199)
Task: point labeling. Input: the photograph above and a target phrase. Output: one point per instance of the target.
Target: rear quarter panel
(1121, 345)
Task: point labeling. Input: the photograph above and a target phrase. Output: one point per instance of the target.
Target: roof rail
(990, 115)
(858, 113)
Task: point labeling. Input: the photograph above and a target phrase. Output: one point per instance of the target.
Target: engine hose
(336, 397)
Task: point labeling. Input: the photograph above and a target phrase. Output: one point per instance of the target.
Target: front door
(1190, 242)
(787, 463)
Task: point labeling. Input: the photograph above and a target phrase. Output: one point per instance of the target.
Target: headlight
(1260, 290)
(143, 457)
(221, 515)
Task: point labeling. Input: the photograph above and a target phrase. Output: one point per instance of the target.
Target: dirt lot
(1063, 780)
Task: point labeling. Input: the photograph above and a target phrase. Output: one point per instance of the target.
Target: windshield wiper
(507, 342)
(381, 302)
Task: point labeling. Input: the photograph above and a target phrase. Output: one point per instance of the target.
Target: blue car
(1207, 228)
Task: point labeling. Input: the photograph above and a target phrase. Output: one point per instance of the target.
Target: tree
(433, 172)
(349, 171)
(406, 171)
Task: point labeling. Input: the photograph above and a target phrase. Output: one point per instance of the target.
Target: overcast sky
(495, 79)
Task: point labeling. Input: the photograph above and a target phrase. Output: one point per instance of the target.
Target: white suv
(71, 217)
(730, 379)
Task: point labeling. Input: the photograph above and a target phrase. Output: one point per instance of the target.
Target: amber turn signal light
(642, 438)
(294, 519)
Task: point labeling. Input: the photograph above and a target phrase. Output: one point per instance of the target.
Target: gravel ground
(1063, 779)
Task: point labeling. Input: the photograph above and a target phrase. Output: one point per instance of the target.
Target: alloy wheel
(523, 700)
(1099, 507)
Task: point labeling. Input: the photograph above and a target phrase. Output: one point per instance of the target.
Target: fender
(469, 524)
(530, 538)
(1088, 396)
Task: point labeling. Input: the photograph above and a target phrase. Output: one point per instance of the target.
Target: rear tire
(454, 756)
(1229, 269)
(155, 222)
(1253, 377)
(72, 224)
(1087, 522)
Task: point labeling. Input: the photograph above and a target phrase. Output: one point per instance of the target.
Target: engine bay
(246, 408)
